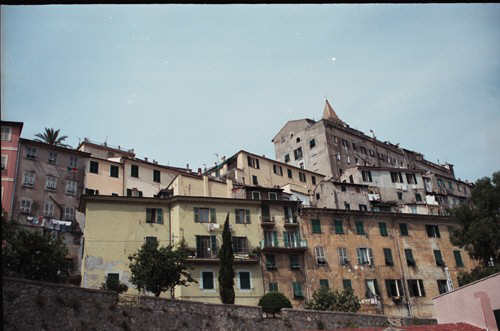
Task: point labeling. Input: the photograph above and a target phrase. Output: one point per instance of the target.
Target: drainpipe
(405, 288)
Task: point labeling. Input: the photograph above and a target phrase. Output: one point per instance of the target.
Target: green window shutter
(383, 229)
(458, 259)
(275, 238)
(339, 228)
(297, 290)
(388, 256)
(213, 240)
(149, 215)
(285, 239)
(316, 226)
(428, 228)
(359, 227)
(159, 213)
(196, 214)
(403, 227)
(213, 216)
(346, 283)
(273, 287)
(437, 231)
(247, 211)
(324, 283)
(358, 252)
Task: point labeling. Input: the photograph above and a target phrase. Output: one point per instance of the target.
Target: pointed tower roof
(329, 113)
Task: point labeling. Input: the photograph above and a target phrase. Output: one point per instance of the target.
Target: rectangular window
(273, 196)
(403, 229)
(30, 152)
(297, 290)
(396, 177)
(302, 177)
(113, 171)
(204, 215)
(48, 208)
(242, 216)
(287, 158)
(278, 170)
(371, 288)
(432, 231)
(73, 161)
(294, 262)
(367, 175)
(52, 157)
(273, 287)
(339, 227)
(206, 247)
(270, 262)
(29, 179)
(289, 173)
(151, 240)
(363, 208)
(298, 153)
(316, 226)
(94, 167)
(134, 171)
(6, 133)
(154, 215)
(323, 283)
(410, 261)
(312, 143)
(383, 229)
(458, 259)
(439, 258)
(416, 288)
(347, 284)
(71, 187)
(240, 245)
(244, 280)
(360, 229)
(365, 256)
(320, 255)
(343, 258)
(255, 180)
(418, 197)
(411, 178)
(4, 161)
(207, 282)
(388, 257)
(255, 195)
(394, 288)
(347, 206)
(156, 176)
(442, 286)
(253, 162)
(26, 206)
(51, 183)
(400, 196)
(313, 180)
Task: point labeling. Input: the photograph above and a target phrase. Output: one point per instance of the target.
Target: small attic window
(298, 139)
(291, 134)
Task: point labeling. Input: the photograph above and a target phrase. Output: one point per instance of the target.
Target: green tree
(158, 269)
(272, 302)
(325, 299)
(114, 284)
(51, 137)
(479, 221)
(35, 256)
(226, 271)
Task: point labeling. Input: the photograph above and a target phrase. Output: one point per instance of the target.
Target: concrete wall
(473, 303)
(32, 305)
(145, 181)
(102, 181)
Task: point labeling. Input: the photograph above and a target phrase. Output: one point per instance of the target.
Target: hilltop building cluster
(335, 208)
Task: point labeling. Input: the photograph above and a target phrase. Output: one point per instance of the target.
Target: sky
(186, 84)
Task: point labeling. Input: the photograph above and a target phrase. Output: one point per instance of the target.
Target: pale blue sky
(180, 83)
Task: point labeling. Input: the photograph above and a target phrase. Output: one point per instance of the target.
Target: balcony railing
(293, 244)
(291, 220)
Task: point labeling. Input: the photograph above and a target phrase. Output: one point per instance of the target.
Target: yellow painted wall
(201, 187)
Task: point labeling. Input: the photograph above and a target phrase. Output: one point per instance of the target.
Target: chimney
(187, 166)
(146, 159)
(199, 171)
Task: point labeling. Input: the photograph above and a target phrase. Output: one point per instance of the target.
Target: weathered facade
(11, 131)
(394, 262)
(49, 184)
(116, 171)
(253, 170)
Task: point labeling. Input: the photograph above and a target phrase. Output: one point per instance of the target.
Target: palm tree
(51, 137)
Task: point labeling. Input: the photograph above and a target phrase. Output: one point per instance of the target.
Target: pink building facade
(10, 133)
(477, 304)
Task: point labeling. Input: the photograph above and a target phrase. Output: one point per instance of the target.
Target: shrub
(272, 302)
(324, 299)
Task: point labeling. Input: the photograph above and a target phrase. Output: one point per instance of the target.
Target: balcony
(284, 246)
(207, 257)
(291, 221)
(374, 197)
(267, 221)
